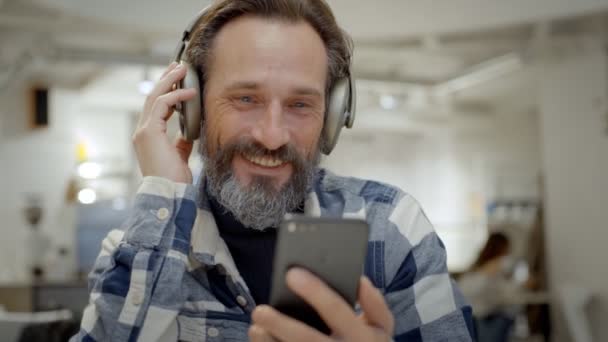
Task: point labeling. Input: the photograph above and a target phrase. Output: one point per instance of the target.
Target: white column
(574, 140)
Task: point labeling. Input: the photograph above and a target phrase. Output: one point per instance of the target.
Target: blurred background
(494, 115)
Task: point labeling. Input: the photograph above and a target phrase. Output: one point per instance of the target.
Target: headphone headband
(183, 43)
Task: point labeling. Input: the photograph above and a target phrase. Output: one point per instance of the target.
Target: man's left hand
(374, 324)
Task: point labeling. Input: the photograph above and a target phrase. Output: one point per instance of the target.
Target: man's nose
(271, 130)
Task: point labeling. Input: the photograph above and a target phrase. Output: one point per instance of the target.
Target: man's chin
(268, 184)
(257, 205)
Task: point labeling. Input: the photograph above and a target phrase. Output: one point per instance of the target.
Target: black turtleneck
(251, 249)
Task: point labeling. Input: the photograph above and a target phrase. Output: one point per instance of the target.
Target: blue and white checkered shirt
(169, 276)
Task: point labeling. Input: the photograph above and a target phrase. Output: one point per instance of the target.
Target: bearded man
(194, 262)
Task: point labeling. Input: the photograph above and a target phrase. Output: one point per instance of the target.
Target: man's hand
(156, 154)
(375, 324)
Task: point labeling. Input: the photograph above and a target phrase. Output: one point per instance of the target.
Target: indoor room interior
(493, 115)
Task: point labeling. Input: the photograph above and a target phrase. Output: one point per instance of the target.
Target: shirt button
(162, 213)
(241, 300)
(137, 298)
(213, 332)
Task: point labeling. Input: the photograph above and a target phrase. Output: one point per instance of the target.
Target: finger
(183, 146)
(173, 74)
(165, 84)
(163, 106)
(374, 307)
(169, 68)
(374, 333)
(332, 308)
(259, 334)
(283, 327)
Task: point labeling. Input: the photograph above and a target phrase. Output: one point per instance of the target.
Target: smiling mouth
(266, 161)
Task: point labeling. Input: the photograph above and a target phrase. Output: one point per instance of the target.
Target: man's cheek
(213, 136)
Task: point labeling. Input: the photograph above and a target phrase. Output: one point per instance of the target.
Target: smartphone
(333, 249)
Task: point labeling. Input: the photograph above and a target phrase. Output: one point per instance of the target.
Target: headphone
(340, 110)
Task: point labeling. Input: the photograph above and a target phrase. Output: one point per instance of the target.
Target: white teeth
(265, 161)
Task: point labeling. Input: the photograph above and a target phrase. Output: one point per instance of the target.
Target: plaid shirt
(168, 275)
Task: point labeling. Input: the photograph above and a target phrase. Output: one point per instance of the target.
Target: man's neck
(227, 223)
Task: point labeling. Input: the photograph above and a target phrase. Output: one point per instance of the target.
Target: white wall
(575, 159)
(42, 161)
(452, 172)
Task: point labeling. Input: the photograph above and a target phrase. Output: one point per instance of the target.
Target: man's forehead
(249, 49)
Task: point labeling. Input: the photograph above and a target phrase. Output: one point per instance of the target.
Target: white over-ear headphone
(340, 108)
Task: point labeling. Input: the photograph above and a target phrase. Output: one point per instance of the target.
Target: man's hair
(498, 245)
(315, 12)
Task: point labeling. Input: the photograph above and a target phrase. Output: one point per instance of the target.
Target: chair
(574, 301)
(13, 323)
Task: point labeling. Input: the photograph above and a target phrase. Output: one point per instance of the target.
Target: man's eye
(300, 105)
(246, 99)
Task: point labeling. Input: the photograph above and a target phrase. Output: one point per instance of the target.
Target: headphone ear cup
(190, 111)
(336, 114)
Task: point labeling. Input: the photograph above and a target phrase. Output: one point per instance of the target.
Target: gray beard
(259, 205)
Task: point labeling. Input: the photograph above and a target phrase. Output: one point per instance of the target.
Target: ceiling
(433, 57)
(392, 19)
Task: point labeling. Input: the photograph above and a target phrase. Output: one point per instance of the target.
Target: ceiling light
(145, 87)
(483, 72)
(87, 196)
(388, 102)
(89, 170)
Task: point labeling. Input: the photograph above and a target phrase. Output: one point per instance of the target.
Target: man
(194, 262)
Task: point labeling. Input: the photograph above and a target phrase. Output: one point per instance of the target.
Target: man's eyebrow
(251, 85)
(243, 85)
(309, 91)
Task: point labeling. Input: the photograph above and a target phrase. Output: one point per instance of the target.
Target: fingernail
(366, 280)
(255, 330)
(297, 276)
(259, 312)
(261, 308)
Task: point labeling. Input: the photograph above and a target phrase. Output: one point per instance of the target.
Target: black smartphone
(333, 249)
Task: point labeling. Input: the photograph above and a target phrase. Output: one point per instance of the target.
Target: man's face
(264, 101)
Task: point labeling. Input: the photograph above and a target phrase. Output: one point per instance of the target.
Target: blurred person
(194, 262)
(489, 289)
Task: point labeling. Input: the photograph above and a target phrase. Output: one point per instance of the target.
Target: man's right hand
(156, 154)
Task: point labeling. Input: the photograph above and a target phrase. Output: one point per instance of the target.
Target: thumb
(183, 146)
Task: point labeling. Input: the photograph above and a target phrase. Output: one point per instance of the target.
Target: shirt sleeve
(129, 295)
(425, 301)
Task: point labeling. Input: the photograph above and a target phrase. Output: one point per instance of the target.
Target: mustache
(250, 147)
